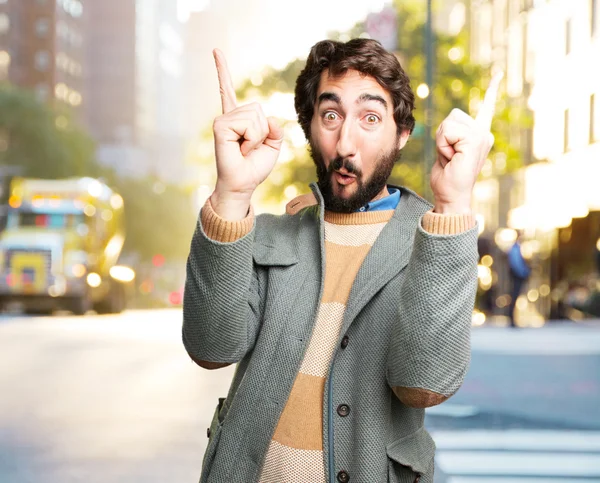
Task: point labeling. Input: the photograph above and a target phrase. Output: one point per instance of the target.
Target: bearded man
(351, 313)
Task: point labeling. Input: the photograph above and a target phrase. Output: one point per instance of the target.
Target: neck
(382, 194)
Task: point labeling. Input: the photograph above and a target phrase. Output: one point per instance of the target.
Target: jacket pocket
(410, 459)
(268, 255)
(214, 434)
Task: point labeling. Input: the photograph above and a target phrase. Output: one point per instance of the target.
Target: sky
(274, 32)
(258, 33)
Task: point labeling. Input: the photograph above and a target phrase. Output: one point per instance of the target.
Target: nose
(346, 145)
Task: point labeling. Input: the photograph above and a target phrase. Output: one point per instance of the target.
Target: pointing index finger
(228, 99)
(488, 106)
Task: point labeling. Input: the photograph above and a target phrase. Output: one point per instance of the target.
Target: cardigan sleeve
(430, 344)
(221, 305)
(219, 229)
(442, 224)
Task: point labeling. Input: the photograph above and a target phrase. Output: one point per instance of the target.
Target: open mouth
(344, 179)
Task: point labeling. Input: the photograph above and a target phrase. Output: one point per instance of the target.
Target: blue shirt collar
(390, 202)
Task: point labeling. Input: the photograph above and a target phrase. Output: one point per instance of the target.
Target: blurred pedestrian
(519, 273)
(351, 313)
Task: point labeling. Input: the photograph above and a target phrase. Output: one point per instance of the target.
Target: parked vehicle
(61, 245)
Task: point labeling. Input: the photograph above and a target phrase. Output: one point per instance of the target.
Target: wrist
(231, 206)
(455, 208)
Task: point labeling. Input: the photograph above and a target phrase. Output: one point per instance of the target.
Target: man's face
(354, 140)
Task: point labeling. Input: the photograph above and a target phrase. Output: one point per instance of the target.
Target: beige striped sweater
(296, 450)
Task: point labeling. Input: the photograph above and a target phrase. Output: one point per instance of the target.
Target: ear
(403, 138)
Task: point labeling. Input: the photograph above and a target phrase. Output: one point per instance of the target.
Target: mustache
(340, 162)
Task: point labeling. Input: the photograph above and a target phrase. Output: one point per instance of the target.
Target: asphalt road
(115, 399)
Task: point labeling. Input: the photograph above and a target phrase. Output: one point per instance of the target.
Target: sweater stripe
(322, 343)
(284, 465)
(353, 235)
(301, 425)
(341, 268)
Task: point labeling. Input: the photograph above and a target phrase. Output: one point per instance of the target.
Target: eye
(372, 119)
(330, 116)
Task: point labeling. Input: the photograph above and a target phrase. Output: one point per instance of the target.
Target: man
(351, 313)
(519, 273)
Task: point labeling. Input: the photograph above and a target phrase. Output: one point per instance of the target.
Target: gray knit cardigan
(253, 302)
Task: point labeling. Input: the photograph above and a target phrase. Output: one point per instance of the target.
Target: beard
(366, 189)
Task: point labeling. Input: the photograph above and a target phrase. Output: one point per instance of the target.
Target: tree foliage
(159, 218)
(44, 141)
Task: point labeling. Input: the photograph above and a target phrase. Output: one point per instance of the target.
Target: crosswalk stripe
(518, 439)
(505, 463)
(453, 410)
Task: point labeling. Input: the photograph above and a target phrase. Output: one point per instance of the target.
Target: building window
(594, 125)
(72, 7)
(42, 27)
(42, 60)
(524, 54)
(526, 5)
(4, 23)
(42, 91)
(4, 59)
(566, 134)
(4, 64)
(568, 37)
(594, 17)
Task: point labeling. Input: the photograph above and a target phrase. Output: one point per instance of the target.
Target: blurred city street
(102, 399)
(115, 399)
(107, 157)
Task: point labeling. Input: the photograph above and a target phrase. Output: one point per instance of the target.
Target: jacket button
(343, 477)
(343, 410)
(345, 341)
(208, 432)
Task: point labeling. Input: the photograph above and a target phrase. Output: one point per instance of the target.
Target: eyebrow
(330, 96)
(372, 97)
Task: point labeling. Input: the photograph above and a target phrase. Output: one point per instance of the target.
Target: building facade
(160, 84)
(42, 48)
(547, 50)
(111, 71)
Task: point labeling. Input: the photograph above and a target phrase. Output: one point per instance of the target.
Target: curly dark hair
(366, 56)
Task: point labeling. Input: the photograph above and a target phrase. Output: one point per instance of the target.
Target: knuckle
(251, 134)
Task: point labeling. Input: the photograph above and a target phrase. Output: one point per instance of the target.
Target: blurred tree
(159, 217)
(45, 142)
(458, 83)
(41, 139)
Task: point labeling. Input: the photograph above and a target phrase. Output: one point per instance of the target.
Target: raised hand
(247, 145)
(463, 144)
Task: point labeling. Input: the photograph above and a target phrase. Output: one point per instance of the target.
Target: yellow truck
(61, 245)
